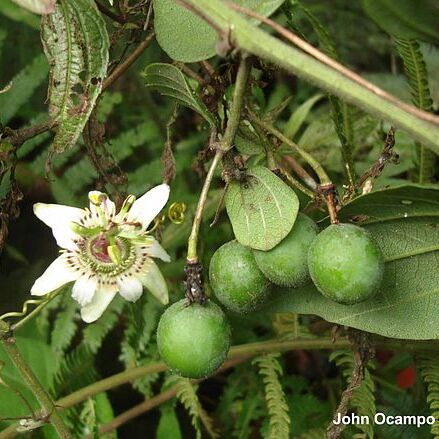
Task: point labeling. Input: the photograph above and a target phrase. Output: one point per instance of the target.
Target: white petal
(101, 299)
(84, 288)
(148, 206)
(108, 207)
(57, 274)
(130, 288)
(59, 218)
(155, 250)
(153, 280)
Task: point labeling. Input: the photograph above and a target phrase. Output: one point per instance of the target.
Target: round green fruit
(193, 339)
(236, 279)
(286, 264)
(345, 264)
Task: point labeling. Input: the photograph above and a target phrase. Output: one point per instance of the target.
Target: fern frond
(23, 87)
(270, 370)
(65, 326)
(429, 367)
(416, 72)
(363, 397)
(187, 395)
(94, 333)
(75, 371)
(341, 112)
(417, 75)
(136, 349)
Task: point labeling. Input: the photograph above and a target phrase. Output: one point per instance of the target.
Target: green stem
(225, 145)
(317, 167)
(192, 254)
(237, 103)
(242, 351)
(251, 39)
(31, 380)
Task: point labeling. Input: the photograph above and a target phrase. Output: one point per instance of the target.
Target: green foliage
(403, 221)
(76, 44)
(137, 348)
(170, 81)
(405, 19)
(363, 396)
(261, 208)
(33, 76)
(416, 72)
(186, 37)
(187, 394)
(270, 370)
(429, 367)
(340, 111)
(65, 325)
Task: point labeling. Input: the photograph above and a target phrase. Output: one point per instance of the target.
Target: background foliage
(134, 135)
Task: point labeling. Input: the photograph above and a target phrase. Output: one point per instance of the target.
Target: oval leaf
(76, 44)
(405, 223)
(186, 37)
(262, 209)
(169, 81)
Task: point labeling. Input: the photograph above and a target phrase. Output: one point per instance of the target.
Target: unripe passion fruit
(345, 263)
(286, 264)
(236, 279)
(193, 340)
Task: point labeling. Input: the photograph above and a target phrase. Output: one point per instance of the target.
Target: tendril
(176, 214)
(25, 309)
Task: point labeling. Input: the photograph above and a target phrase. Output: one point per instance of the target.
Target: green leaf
(409, 19)
(262, 209)
(299, 116)
(169, 81)
(186, 37)
(23, 87)
(169, 426)
(75, 41)
(405, 223)
(37, 6)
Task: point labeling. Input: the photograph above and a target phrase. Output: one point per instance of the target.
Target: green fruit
(193, 340)
(236, 279)
(346, 264)
(286, 264)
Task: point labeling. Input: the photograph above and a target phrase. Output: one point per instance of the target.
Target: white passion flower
(103, 252)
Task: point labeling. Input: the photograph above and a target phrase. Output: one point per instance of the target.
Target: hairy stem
(322, 72)
(49, 409)
(225, 145)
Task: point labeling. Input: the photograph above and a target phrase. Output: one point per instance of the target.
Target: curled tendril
(25, 309)
(175, 214)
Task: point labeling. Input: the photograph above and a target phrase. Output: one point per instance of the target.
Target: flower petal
(148, 206)
(59, 218)
(153, 280)
(108, 207)
(130, 288)
(101, 299)
(155, 250)
(84, 289)
(57, 274)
